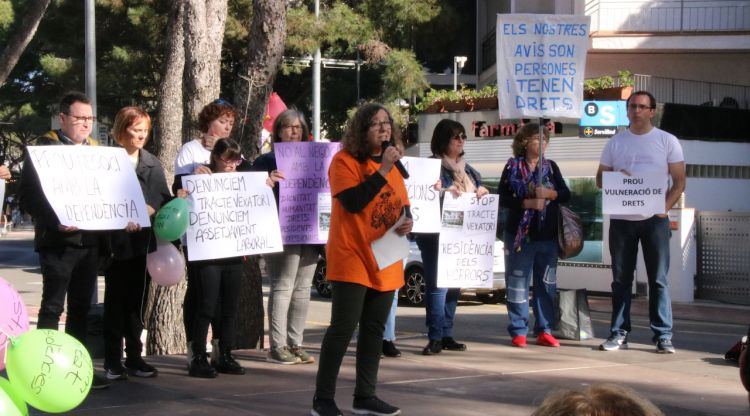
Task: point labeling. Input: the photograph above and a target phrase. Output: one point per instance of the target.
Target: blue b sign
(602, 118)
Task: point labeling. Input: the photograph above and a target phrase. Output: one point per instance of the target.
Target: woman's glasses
(460, 136)
(385, 124)
(233, 162)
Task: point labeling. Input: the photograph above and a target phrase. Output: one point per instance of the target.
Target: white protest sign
(232, 214)
(90, 187)
(467, 241)
(640, 194)
(423, 197)
(541, 61)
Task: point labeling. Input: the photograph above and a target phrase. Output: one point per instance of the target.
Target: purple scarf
(523, 181)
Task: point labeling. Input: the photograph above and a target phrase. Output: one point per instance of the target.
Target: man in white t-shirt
(642, 148)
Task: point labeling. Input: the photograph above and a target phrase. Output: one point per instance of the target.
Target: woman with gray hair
(290, 271)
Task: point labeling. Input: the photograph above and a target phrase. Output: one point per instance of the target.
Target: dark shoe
(390, 350)
(433, 347)
(115, 373)
(199, 367)
(325, 407)
(226, 364)
(615, 342)
(139, 368)
(450, 344)
(664, 346)
(373, 406)
(99, 382)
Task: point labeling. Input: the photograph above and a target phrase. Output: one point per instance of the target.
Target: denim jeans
(390, 325)
(440, 303)
(537, 262)
(653, 234)
(291, 274)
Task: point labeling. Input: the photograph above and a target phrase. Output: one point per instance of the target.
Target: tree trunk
(204, 34)
(265, 49)
(166, 334)
(21, 37)
(168, 126)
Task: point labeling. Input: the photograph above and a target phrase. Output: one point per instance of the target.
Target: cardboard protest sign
(423, 197)
(541, 61)
(639, 194)
(305, 167)
(90, 187)
(232, 214)
(467, 241)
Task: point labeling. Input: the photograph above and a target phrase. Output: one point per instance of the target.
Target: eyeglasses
(81, 119)
(235, 162)
(460, 136)
(380, 124)
(290, 127)
(639, 107)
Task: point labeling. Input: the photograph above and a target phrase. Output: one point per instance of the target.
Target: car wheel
(414, 288)
(490, 297)
(321, 284)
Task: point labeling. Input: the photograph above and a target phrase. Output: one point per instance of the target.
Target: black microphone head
(384, 145)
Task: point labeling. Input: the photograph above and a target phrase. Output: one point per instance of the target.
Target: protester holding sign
(291, 271)
(642, 148)
(126, 278)
(530, 235)
(369, 197)
(217, 289)
(215, 121)
(456, 176)
(68, 256)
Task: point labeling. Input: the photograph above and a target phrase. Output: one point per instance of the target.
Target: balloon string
(10, 339)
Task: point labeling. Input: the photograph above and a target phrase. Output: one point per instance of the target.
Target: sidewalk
(490, 378)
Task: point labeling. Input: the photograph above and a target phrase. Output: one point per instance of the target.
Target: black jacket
(33, 201)
(156, 193)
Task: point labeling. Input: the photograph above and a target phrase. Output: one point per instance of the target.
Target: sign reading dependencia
(541, 62)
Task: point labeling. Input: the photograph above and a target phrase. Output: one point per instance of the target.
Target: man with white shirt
(68, 257)
(642, 148)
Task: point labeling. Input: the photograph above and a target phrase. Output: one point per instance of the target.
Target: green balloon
(8, 406)
(18, 405)
(50, 370)
(171, 221)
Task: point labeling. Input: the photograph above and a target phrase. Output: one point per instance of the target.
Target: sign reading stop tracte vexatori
(640, 194)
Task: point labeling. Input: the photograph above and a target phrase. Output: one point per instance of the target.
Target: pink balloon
(166, 265)
(14, 319)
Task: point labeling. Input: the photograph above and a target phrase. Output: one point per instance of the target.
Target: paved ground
(491, 378)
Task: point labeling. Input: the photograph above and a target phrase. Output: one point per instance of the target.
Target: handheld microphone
(401, 169)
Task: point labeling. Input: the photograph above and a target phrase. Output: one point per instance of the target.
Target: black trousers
(216, 294)
(353, 304)
(70, 271)
(124, 300)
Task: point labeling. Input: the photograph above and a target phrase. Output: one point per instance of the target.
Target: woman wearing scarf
(457, 177)
(531, 235)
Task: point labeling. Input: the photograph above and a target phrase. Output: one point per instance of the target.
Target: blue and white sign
(602, 118)
(541, 61)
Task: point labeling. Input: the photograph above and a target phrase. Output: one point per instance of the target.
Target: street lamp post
(458, 64)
